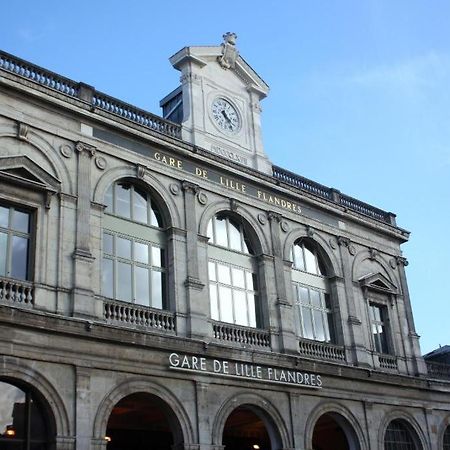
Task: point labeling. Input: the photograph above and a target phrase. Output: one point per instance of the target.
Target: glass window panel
(142, 288)
(19, 257)
(330, 328)
(123, 247)
(223, 274)
(109, 199)
(298, 257)
(209, 230)
(213, 302)
(157, 289)
(238, 277)
(108, 243)
(123, 281)
(376, 313)
(246, 247)
(4, 217)
(315, 298)
(310, 260)
(251, 302)
(319, 325)
(234, 236)
(20, 221)
(155, 217)
(212, 271)
(157, 256)
(140, 205)
(250, 279)
(141, 252)
(295, 294)
(240, 307)
(3, 252)
(304, 295)
(107, 278)
(307, 323)
(225, 304)
(221, 232)
(123, 205)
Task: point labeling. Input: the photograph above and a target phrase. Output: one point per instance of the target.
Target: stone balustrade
(16, 292)
(243, 335)
(388, 362)
(321, 350)
(438, 370)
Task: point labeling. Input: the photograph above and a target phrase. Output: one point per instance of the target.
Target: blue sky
(359, 99)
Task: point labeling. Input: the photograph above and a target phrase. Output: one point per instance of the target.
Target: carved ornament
(22, 131)
(202, 198)
(81, 147)
(229, 51)
(193, 188)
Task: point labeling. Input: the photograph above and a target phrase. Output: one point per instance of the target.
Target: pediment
(22, 169)
(378, 282)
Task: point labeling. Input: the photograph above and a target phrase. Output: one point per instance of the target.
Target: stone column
(198, 326)
(358, 351)
(288, 341)
(84, 304)
(204, 419)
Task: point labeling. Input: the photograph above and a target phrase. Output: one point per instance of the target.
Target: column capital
(81, 147)
(188, 186)
(343, 241)
(401, 261)
(274, 217)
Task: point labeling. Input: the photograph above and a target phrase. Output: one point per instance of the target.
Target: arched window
(233, 286)
(399, 436)
(22, 421)
(446, 443)
(311, 293)
(134, 246)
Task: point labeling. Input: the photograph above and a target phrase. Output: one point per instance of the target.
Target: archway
(248, 428)
(141, 420)
(333, 432)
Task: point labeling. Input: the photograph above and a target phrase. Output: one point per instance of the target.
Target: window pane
(223, 273)
(240, 307)
(19, 257)
(238, 277)
(142, 288)
(3, 253)
(4, 217)
(140, 206)
(157, 289)
(226, 306)
(212, 271)
(21, 221)
(155, 217)
(319, 325)
(213, 302)
(310, 260)
(123, 281)
(123, 247)
(307, 323)
(221, 232)
(109, 199)
(107, 278)
(251, 281)
(157, 256)
(235, 236)
(298, 257)
(251, 302)
(141, 252)
(315, 298)
(304, 295)
(108, 243)
(209, 230)
(123, 206)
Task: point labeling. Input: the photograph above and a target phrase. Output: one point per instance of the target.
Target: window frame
(402, 426)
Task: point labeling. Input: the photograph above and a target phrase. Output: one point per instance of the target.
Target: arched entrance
(248, 428)
(23, 419)
(140, 421)
(333, 432)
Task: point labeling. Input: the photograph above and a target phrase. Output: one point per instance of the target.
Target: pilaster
(83, 408)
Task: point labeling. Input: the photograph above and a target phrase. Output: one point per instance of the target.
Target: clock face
(225, 115)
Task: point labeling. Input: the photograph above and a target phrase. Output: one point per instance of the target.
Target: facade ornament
(66, 150)
(174, 188)
(187, 186)
(262, 218)
(256, 106)
(48, 198)
(275, 216)
(309, 231)
(393, 263)
(140, 171)
(284, 226)
(202, 198)
(81, 147)
(190, 77)
(22, 131)
(343, 241)
(229, 51)
(233, 204)
(373, 254)
(352, 249)
(100, 162)
(402, 261)
(333, 243)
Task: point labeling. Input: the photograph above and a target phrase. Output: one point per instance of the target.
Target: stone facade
(62, 146)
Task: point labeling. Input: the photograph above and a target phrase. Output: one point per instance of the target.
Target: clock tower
(218, 103)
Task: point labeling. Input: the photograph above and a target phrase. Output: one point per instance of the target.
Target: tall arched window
(399, 436)
(311, 293)
(134, 246)
(446, 443)
(233, 285)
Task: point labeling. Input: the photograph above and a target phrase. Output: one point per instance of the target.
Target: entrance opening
(140, 421)
(245, 430)
(332, 432)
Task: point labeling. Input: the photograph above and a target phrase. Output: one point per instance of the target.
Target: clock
(225, 115)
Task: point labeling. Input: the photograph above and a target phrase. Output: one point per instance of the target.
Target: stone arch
(16, 372)
(344, 417)
(263, 408)
(47, 151)
(257, 235)
(168, 209)
(411, 423)
(441, 431)
(179, 419)
(330, 259)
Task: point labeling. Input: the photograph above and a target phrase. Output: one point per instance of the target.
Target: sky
(359, 98)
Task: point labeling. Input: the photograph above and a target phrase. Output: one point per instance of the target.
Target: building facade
(164, 285)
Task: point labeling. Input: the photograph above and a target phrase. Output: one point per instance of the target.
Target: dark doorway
(329, 434)
(245, 430)
(139, 422)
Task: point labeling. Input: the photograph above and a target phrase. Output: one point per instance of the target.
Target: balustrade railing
(388, 362)
(438, 370)
(321, 350)
(16, 292)
(242, 335)
(129, 314)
